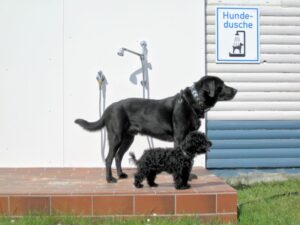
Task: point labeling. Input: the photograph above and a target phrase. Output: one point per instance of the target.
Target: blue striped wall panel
(256, 143)
(254, 153)
(252, 124)
(253, 134)
(253, 144)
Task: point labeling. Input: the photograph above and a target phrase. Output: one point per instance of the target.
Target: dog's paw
(153, 185)
(111, 180)
(183, 187)
(138, 185)
(123, 176)
(187, 186)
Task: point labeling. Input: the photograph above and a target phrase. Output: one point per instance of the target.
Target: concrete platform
(84, 191)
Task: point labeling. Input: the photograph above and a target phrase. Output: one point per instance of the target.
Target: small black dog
(177, 161)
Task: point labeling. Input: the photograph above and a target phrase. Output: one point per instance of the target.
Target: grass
(275, 203)
(53, 220)
(270, 203)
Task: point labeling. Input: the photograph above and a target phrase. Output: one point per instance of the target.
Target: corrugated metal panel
(258, 77)
(269, 21)
(213, 125)
(254, 134)
(267, 39)
(267, 49)
(266, 30)
(267, 96)
(264, 10)
(256, 143)
(257, 106)
(270, 58)
(283, 3)
(256, 68)
(254, 115)
(261, 126)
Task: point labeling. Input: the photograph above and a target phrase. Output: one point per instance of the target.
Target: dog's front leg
(179, 181)
(138, 179)
(186, 174)
(192, 175)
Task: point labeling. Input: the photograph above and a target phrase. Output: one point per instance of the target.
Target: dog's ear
(210, 87)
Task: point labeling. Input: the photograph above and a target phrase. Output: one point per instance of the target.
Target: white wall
(30, 83)
(52, 53)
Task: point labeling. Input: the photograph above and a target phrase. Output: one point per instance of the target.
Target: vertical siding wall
(261, 126)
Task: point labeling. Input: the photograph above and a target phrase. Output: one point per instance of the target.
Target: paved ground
(252, 176)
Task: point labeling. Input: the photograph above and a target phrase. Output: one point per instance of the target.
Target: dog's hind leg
(180, 184)
(138, 179)
(114, 144)
(151, 178)
(126, 143)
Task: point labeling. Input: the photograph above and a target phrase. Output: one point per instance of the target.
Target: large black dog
(169, 119)
(177, 161)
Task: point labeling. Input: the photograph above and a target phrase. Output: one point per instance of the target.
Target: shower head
(121, 51)
(143, 44)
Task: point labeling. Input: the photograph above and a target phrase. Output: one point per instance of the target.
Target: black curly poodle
(177, 161)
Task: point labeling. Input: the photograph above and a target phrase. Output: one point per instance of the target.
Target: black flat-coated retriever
(168, 119)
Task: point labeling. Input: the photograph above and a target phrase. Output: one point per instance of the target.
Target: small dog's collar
(184, 153)
(195, 94)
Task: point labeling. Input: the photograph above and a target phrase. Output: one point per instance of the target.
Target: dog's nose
(234, 91)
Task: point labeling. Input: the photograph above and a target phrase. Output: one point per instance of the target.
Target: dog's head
(213, 89)
(195, 143)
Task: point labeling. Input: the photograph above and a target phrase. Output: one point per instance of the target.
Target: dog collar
(184, 153)
(197, 98)
(195, 93)
(202, 108)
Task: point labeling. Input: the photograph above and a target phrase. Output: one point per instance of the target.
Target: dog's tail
(91, 126)
(133, 158)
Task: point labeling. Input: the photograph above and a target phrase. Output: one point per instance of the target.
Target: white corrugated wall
(268, 92)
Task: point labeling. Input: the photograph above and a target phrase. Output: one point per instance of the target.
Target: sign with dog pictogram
(237, 35)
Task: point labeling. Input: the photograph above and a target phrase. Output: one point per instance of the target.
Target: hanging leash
(102, 82)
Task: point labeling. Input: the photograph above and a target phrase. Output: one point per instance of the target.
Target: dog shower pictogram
(239, 44)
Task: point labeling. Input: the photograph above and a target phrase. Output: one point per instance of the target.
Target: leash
(272, 197)
(102, 82)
